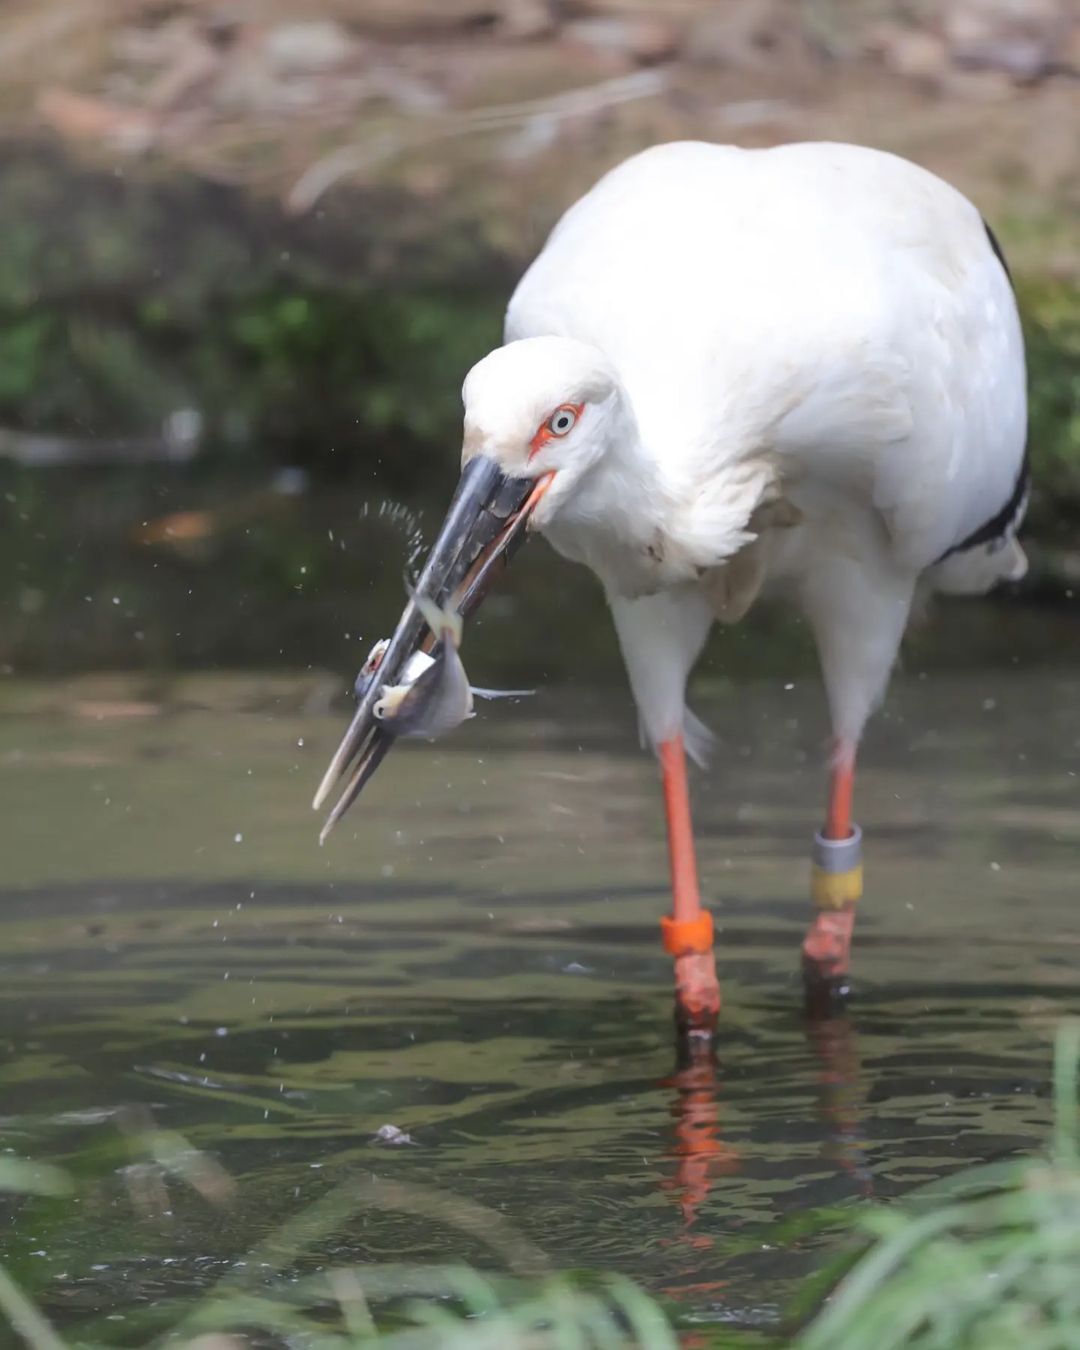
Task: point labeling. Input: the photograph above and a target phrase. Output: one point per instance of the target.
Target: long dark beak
(482, 530)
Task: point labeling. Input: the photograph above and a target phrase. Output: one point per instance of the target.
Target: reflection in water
(701, 1155)
(476, 964)
(699, 1152)
(835, 1046)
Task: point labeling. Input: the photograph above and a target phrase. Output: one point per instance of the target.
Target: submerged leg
(688, 931)
(836, 881)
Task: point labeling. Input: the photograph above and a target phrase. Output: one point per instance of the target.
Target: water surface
(474, 959)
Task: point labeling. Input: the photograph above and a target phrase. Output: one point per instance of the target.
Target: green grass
(1051, 314)
(989, 1260)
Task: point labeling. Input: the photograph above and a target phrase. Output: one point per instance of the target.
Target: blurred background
(248, 251)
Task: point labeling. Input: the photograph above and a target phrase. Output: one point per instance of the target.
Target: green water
(474, 959)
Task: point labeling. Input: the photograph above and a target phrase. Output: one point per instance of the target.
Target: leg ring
(836, 873)
(685, 937)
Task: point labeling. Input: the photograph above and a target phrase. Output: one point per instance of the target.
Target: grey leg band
(838, 855)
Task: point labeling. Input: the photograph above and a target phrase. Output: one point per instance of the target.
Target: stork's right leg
(688, 932)
(661, 636)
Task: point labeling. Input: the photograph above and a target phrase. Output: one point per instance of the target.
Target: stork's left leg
(836, 877)
(858, 604)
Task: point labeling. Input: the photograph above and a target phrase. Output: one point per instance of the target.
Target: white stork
(727, 370)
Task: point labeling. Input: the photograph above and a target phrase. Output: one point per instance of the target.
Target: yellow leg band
(834, 890)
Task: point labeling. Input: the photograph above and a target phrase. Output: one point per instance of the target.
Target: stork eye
(562, 421)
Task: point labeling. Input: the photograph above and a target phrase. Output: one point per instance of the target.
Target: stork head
(542, 409)
(539, 414)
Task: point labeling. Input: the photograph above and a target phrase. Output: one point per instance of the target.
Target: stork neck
(641, 528)
(615, 516)
(629, 480)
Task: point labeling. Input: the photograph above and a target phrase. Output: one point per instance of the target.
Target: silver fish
(433, 695)
(439, 698)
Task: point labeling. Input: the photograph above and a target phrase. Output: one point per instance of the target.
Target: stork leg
(688, 931)
(858, 604)
(836, 880)
(661, 636)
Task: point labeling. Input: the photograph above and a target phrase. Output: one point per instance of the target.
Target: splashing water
(403, 519)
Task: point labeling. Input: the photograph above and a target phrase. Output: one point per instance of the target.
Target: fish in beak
(434, 695)
(484, 527)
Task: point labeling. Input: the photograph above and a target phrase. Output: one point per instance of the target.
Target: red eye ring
(565, 413)
(552, 428)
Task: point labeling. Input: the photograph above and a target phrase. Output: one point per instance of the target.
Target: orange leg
(827, 946)
(841, 790)
(688, 932)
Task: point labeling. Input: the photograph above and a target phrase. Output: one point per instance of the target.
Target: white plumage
(799, 366)
(731, 369)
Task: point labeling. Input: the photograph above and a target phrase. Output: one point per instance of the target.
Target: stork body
(729, 369)
(803, 368)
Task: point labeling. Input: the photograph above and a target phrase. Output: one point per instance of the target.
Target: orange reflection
(700, 1155)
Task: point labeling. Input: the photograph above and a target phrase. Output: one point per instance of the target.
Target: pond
(474, 959)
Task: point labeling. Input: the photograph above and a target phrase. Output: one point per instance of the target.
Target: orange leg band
(681, 937)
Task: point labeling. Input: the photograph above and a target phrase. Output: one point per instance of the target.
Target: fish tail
(440, 620)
